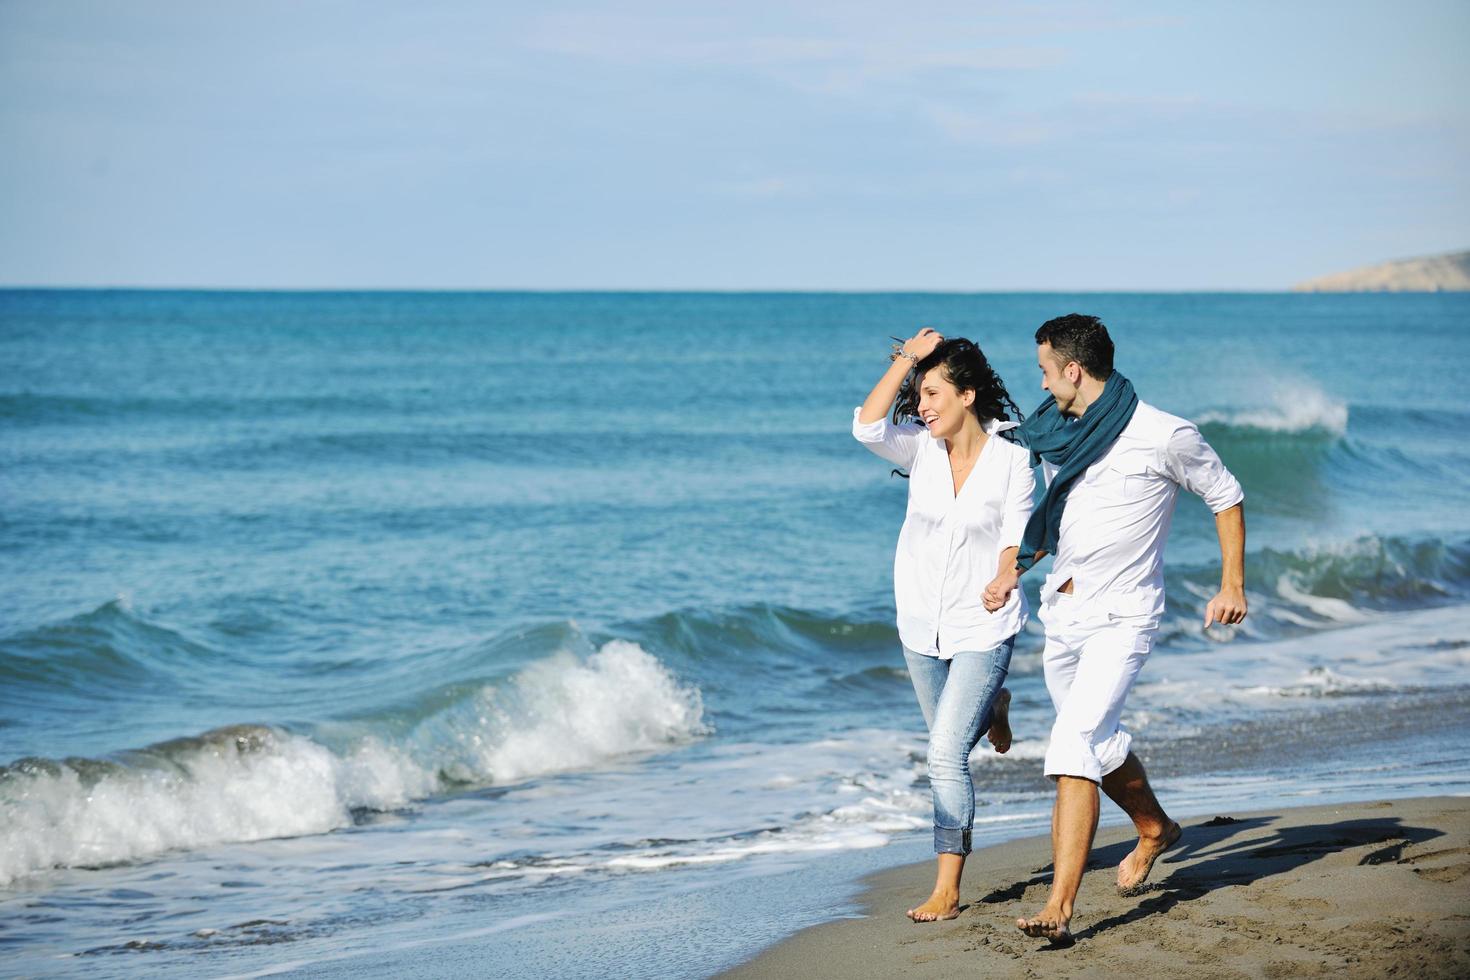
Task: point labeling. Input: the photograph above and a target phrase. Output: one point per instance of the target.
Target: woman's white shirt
(949, 548)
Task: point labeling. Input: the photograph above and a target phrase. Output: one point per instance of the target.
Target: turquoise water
(333, 622)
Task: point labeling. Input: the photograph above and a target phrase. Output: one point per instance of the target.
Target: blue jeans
(956, 697)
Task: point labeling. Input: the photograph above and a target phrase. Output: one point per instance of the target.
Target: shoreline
(1374, 888)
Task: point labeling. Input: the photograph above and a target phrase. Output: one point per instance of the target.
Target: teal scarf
(1072, 445)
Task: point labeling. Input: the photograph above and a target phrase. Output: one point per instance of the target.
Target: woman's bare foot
(1134, 869)
(1000, 722)
(1049, 923)
(940, 906)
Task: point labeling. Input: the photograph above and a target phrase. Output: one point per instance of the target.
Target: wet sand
(1377, 889)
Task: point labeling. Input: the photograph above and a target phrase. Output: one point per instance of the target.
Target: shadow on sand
(1223, 852)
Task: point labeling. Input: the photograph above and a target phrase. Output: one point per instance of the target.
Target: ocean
(537, 634)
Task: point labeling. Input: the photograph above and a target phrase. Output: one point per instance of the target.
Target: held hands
(998, 592)
(1227, 608)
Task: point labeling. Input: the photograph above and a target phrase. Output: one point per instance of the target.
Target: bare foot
(1000, 722)
(1048, 924)
(1134, 869)
(940, 906)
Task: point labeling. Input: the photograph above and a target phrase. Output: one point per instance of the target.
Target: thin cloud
(833, 61)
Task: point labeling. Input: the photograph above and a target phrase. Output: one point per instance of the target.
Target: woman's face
(941, 407)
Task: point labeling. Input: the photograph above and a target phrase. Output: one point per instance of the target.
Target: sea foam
(252, 782)
(239, 784)
(1286, 409)
(562, 714)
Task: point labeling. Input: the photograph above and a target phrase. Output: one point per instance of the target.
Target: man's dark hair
(1080, 338)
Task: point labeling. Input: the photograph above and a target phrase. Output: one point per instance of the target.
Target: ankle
(1154, 830)
(1058, 907)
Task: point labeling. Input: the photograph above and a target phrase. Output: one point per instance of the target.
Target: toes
(1036, 928)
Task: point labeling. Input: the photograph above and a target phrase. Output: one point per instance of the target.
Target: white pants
(1091, 662)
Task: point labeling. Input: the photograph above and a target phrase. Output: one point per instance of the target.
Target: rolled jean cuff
(951, 840)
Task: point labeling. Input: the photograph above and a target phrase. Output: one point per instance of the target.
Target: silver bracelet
(900, 352)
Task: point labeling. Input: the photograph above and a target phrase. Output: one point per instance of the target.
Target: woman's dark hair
(966, 368)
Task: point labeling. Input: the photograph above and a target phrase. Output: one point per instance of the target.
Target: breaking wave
(251, 782)
(1287, 411)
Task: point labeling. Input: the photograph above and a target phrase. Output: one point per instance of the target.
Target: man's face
(1058, 378)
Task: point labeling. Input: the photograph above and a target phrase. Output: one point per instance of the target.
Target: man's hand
(1227, 608)
(998, 592)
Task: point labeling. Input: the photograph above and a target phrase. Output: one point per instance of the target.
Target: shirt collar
(992, 426)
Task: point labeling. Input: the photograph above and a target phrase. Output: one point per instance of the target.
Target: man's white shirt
(950, 545)
(1117, 516)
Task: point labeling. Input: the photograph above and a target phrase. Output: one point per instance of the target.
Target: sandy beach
(1378, 889)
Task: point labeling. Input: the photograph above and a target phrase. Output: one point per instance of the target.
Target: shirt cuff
(1226, 495)
(868, 431)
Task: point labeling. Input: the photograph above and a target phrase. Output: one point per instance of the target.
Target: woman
(970, 492)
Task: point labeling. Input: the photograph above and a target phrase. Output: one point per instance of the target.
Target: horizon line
(659, 290)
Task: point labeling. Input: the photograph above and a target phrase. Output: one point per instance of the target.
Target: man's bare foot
(939, 907)
(1048, 924)
(1000, 722)
(1134, 869)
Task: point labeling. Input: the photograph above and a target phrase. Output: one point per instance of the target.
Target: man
(1114, 466)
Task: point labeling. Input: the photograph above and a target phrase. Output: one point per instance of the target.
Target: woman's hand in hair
(922, 344)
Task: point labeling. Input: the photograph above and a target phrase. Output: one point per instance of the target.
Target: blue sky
(852, 145)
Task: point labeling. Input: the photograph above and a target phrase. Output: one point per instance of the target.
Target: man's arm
(1191, 463)
(1228, 606)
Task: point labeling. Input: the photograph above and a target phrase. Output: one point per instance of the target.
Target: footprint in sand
(1446, 865)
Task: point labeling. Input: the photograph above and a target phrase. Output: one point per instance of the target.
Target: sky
(738, 146)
